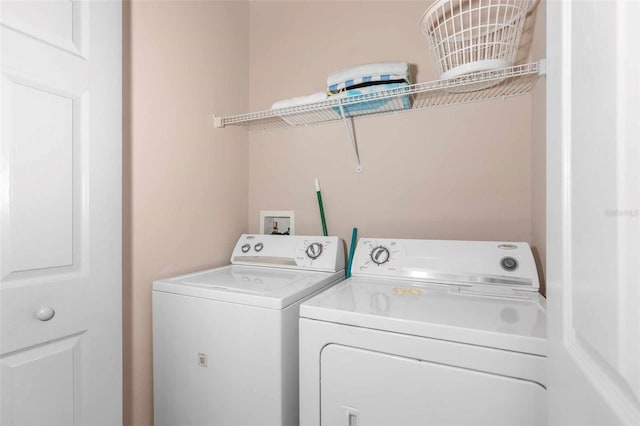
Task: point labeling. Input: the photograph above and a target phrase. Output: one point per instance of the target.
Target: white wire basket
(467, 36)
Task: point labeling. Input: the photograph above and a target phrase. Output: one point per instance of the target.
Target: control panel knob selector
(258, 247)
(314, 250)
(245, 248)
(380, 255)
(509, 263)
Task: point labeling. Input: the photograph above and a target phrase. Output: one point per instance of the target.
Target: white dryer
(427, 333)
(225, 340)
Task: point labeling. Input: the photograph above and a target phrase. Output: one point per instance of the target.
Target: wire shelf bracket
(481, 86)
(348, 122)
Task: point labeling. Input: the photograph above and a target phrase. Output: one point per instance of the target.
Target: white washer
(427, 333)
(225, 340)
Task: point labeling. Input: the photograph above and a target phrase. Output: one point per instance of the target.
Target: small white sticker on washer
(202, 360)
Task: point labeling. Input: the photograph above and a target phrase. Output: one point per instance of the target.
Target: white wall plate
(277, 222)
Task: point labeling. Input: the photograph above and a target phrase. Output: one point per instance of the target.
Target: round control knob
(45, 313)
(314, 250)
(245, 248)
(258, 247)
(380, 255)
(509, 264)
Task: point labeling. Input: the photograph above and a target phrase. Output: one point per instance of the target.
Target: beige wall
(461, 172)
(538, 144)
(186, 182)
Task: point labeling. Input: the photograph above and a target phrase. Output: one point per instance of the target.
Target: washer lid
(514, 320)
(249, 285)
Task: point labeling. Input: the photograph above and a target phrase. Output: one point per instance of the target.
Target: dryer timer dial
(380, 255)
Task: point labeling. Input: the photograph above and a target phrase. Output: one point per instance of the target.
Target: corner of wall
(538, 154)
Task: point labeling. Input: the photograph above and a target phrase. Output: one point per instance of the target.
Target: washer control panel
(290, 251)
(464, 263)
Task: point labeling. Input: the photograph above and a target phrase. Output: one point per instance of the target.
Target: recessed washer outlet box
(279, 222)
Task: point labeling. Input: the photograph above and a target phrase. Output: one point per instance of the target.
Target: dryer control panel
(290, 251)
(464, 263)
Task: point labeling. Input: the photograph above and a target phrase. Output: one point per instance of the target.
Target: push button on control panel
(509, 264)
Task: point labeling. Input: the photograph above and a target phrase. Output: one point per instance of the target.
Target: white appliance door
(593, 231)
(60, 206)
(363, 387)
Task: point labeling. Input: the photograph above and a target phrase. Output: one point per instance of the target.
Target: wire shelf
(481, 86)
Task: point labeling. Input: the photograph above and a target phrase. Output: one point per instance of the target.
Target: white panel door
(60, 213)
(593, 253)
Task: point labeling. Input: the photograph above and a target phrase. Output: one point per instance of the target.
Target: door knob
(45, 313)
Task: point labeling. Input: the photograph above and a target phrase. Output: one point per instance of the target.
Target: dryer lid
(250, 285)
(514, 321)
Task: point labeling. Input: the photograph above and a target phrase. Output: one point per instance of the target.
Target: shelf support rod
(348, 123)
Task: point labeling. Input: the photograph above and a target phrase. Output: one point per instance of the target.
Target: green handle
(324, 223)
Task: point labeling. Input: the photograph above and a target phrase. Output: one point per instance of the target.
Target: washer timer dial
(380, 255)
(314, 250)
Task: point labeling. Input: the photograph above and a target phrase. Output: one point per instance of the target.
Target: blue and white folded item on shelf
(379, 102)
(368, 74)
(300, 100)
